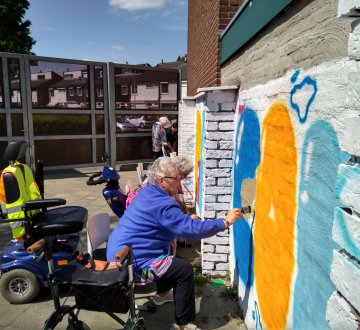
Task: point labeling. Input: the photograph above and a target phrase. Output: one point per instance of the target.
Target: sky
(120, 31)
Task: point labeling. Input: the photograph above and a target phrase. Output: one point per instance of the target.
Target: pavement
(216, 312)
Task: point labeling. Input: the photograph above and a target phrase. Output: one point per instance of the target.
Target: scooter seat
(59, 221)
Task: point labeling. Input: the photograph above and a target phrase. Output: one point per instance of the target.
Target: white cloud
(117, 47)
(133, 5)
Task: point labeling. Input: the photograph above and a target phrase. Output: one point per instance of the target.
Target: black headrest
(15, 150)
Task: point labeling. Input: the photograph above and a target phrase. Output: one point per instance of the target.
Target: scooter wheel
(19, 286)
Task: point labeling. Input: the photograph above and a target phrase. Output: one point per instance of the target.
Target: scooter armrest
(43, 203)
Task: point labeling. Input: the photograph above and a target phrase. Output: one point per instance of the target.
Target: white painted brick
(351, 137)
(219, 154)
(349, 179)
(222, 249)
(214, 257)
(209, 215)
(345, 274)
(224, 198)
(210, 199)
(340, 314)
(215, 240)
(211, 144)
(221, 214)
(226, 145)
(209, 181)
(219, 136)
(224, 233)
(222, 266)
(225, 163)
(212, 126)
(346, 232)
(218, 273)
(206, 265)
(211, 163)
(217, 173)
(217, 206)
(208, 248)
(227, 126)
(220, 116)
(218, 191)
(225, 182)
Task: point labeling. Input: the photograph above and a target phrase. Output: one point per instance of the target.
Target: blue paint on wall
(321, 157)
(245, 162)
(307, 81)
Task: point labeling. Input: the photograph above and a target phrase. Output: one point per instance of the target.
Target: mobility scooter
(23, 273)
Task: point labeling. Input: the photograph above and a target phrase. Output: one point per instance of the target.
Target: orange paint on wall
(275, 217)
(198, 138)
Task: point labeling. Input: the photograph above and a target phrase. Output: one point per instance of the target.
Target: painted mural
(199, 163)
(286, 165)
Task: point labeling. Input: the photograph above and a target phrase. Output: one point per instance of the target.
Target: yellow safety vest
(28, 191)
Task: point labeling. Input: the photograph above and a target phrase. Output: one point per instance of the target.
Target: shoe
(189, 326)
(159, 300)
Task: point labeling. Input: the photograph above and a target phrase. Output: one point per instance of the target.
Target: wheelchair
(98, 286)
(22, 273)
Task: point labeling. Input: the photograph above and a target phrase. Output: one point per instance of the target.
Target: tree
(181, 58)
(14, 30)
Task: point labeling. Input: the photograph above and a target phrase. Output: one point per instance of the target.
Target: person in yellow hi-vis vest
(17, 186)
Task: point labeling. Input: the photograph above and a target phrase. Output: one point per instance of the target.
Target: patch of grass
(230, 293)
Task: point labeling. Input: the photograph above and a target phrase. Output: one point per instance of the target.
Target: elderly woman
(150, 223)
(159, 136)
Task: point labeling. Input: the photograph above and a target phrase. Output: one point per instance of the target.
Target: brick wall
(207, 18)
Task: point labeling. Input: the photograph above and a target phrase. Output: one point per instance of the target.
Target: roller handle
(246, 209)
(38, 245)
(120, 255)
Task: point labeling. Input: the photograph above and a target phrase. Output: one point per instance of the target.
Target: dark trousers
(180, 277)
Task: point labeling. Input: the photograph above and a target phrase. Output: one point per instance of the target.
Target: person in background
(159, 136)
(150, 223)
(172, 137)
(185, 166)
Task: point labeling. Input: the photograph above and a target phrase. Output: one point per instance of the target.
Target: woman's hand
(195, 217)
(233, 215)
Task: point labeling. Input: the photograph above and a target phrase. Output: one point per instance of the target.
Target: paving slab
(71, 185)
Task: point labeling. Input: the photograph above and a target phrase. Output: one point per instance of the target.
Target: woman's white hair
(160, 168)
(164, 121)
(184, 164)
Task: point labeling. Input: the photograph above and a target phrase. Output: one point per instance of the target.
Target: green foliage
(230, 292)
(199, 278)
(181, 58)
(14, 30)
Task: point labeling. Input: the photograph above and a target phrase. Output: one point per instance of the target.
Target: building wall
(294, 138)
(293, 154)
(306, 34)
(206, 19)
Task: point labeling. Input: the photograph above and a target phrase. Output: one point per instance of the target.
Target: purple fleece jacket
(151, 222)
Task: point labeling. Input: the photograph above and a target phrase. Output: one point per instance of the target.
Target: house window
(71, 91)
(99, 92)
(51, 91)
(124, 90)
(86, 92)
(41, 76)
(133, 89)
(79, 91)
(164, 87)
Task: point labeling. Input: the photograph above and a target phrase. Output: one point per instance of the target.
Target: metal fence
(70, 112)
